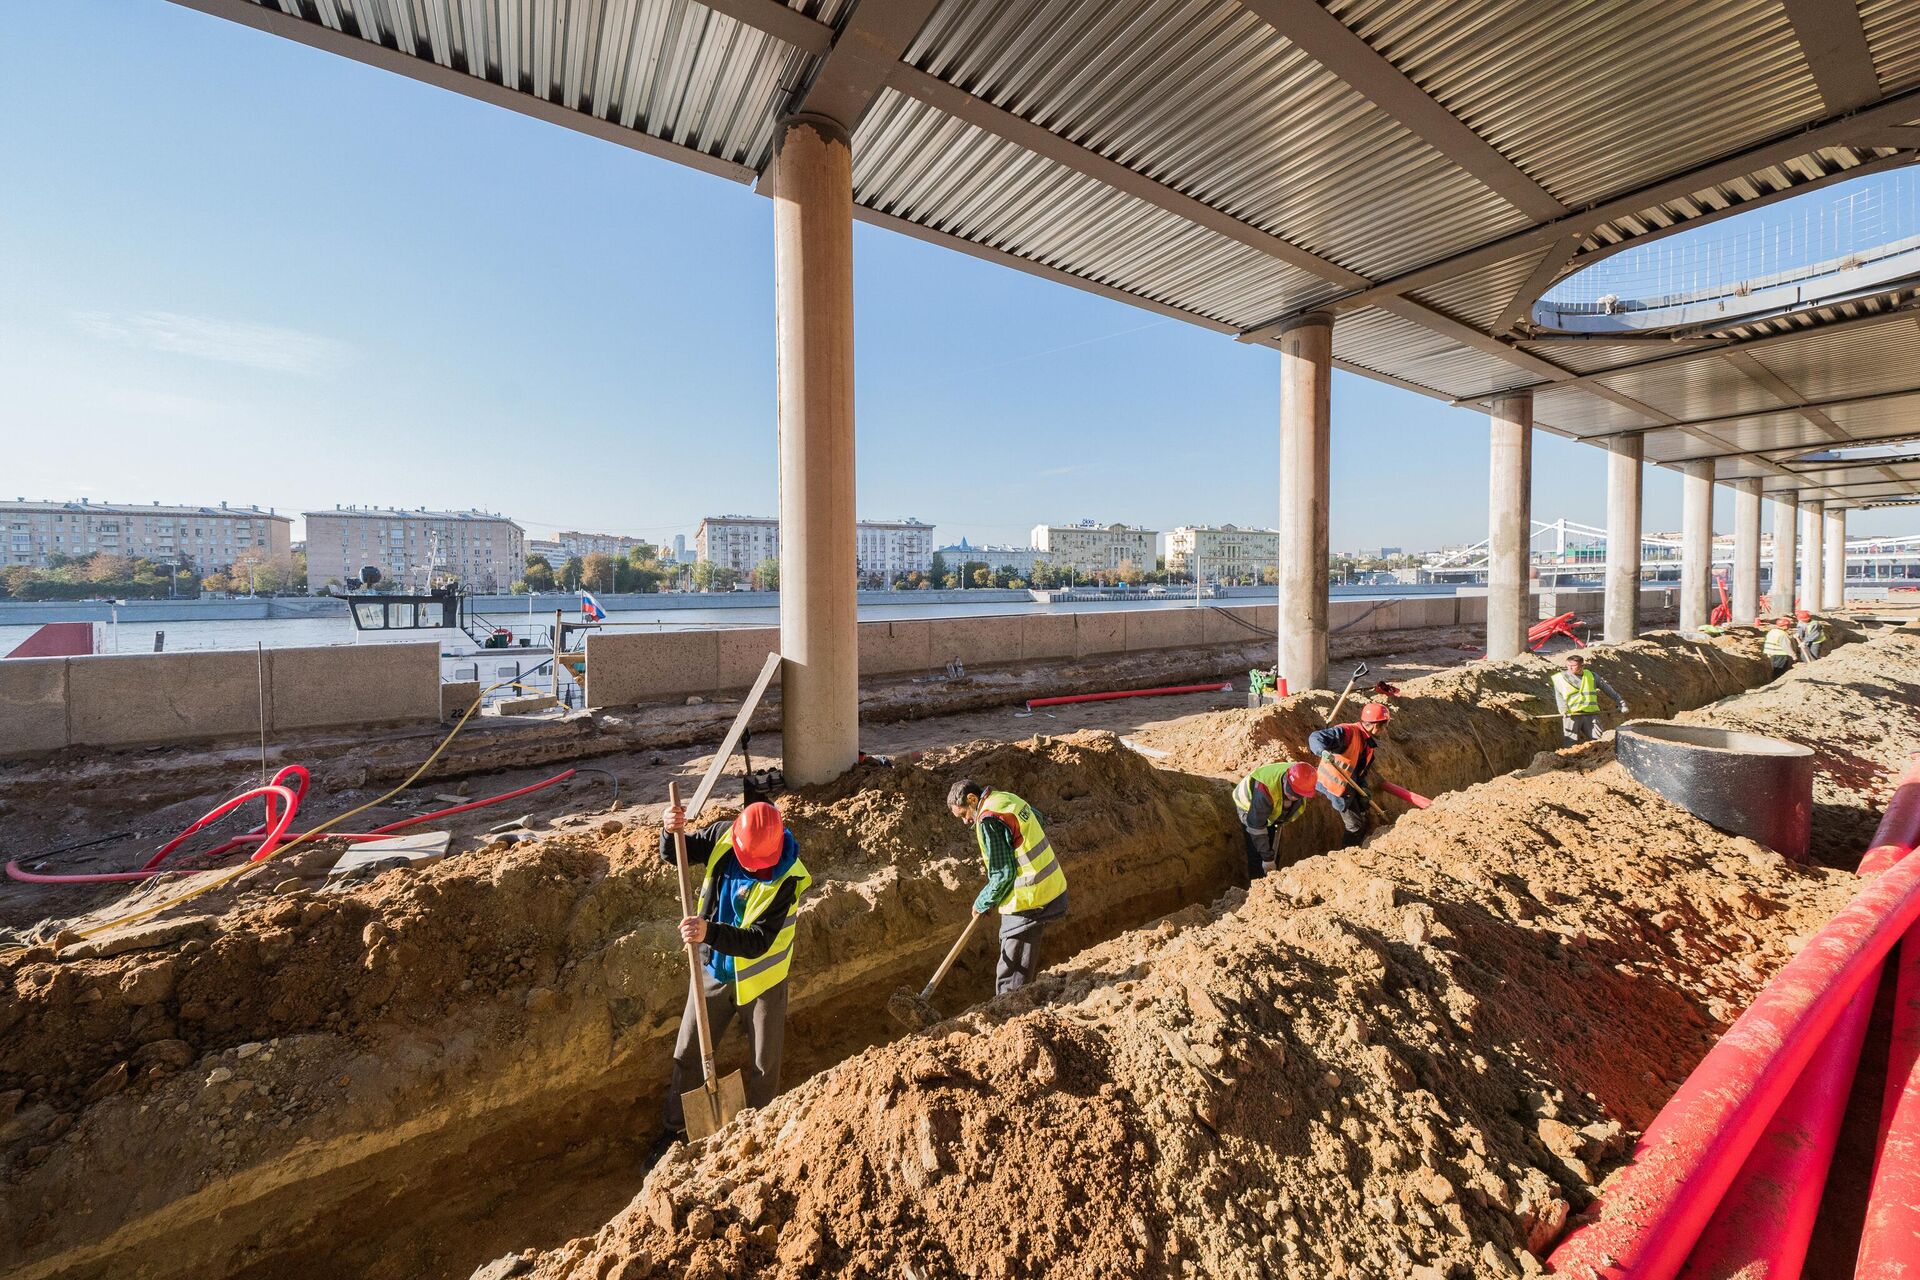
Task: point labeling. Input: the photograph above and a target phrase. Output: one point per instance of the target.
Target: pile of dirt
(241, 1058)
(1417, 1058)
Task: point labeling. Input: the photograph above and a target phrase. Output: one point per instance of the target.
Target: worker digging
(1576, 694)
(1779, 646)
(1346, 753)
(1267, 799)
(744, 923)
(1812, 635)
(1026, 883)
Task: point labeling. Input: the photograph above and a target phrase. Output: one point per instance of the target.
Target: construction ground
(1420, 1057)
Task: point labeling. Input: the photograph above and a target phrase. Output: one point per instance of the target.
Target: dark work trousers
(1355, 820)
(766, 1025)
(1020, 944)
(1780, 667)
(1259, 844)
(1580, 728)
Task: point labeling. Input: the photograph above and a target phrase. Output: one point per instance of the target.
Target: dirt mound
(328, 1027)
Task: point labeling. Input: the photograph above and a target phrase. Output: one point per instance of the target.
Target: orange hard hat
(1302, 779)
(1804, 616)
(1375, 713)
(1783, 621)
(759, 835)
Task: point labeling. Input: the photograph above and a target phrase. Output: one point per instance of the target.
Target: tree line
(107, 574)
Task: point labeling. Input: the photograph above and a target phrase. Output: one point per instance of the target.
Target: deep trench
(538, 1174)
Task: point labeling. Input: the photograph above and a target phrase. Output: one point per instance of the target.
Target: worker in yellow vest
(1025, 882)
(1576, 695)
(748, 907)
(1813, 635)
(1778, 646)
(1267, 799)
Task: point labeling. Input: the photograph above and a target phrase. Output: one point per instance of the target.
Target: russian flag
(590, 608)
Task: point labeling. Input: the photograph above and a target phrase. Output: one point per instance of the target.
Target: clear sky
(235, 268)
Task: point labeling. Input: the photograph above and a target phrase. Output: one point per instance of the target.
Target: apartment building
(416, 549)
(1091, 547)
(202, 538)
(575, 543)
(996, 558)
(886, 548)
(1222, 551)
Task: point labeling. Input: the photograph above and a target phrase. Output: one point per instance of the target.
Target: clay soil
(1417, 1058)
(406, 1076)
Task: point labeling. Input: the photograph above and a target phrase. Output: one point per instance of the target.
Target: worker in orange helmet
(1346, 759)
(1812, 634)
(1267, 799)
(745, 922)
(1778, 646)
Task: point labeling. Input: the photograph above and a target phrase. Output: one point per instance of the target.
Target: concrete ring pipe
(1744, 783)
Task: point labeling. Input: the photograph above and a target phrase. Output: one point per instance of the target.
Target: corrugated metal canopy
(1421, 170)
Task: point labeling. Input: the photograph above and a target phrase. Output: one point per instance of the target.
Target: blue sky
(239, 269)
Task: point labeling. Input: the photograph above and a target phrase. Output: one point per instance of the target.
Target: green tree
(570, 573)
(596, 571)
(1129, 573)
(938, 573)
(708, 576)
(766, 574)
(982, 577)
(538, 575)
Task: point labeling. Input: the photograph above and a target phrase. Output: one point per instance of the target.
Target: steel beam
(1835, 45)
(862, 59)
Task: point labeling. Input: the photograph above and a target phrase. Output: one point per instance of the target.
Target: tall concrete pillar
(1780, 591)
(1812, 527)
(1696, 544)
(1510, 526)
(1833, 582)
(1624, 455)
(819, 620)
(1306, 415)
(1746, 551)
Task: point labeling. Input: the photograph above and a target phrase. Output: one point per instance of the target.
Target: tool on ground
(1386, 689)
(716, 1101)
(915, 1012)
(1333, 716)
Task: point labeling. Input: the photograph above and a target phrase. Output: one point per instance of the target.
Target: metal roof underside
(1421, 170)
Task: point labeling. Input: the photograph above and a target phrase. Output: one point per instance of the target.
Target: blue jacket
(726, 940)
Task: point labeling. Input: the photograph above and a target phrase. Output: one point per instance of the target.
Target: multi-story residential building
(203, 538)
(574, 543)
(548, 547)
(1222, 551)
(414, 550)
(1091, 547)
(996, 558)
(884, 548)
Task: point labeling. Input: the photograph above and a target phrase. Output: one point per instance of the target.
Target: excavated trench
(407, 1078)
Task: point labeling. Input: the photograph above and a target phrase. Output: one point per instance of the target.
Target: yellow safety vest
(1778, 643)
(1041, 878)
(1272, 777)
(762, 973)
(1581, 699)
(1816, 631)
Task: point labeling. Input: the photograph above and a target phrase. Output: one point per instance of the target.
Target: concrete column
(819, 620)
(1780, 591)
(1510, 526)
(1696, 544)
(1746, 552)
(1624, 454)
(1812, 526)
(1306, 414)
(1833, 582)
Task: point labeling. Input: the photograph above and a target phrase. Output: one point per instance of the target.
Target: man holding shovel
(1346, 758)
(748, 904)
(1025, 881)
(1267, 799)
(1576, 695)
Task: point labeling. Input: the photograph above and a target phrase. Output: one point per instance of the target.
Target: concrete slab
(371, 857)
(1102, 632)
(896, 648)
(456, 696)
(1046, 636)
(1148, 629)
(1217, 625)
(136, 699)
(623, 670)
(741, 655)
(339, 686)
(33, 705)
(977, 642)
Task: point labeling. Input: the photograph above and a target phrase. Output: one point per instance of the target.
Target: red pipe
(1692, 1152)
(1890, 1238)
(277, 820)
(1657, 1206)
(1125, 693)
(1413, 798)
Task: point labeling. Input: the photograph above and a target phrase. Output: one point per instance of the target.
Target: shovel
(715, 1102)
(916, 1011)
(1333, 716)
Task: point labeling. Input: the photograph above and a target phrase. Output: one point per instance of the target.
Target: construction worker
(1267, 799)
(1025, 882)
(749, 900)
(1576, 695)
(1778, 646)
(1813, 635)
(1346, 758)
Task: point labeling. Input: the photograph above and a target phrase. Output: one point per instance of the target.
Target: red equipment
(1723, 612)
(1131, 693)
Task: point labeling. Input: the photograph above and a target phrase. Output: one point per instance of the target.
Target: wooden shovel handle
(696, 997)
(958, 946)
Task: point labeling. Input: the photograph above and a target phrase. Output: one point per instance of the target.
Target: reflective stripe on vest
(1582, 699)
(1339, 773)
(1778, 643)
(1269, 776)
(1041, 878)
(1816, 632)
(753, 977)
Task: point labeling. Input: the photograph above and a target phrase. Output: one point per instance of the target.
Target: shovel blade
(709, 1109)
(912, 1011)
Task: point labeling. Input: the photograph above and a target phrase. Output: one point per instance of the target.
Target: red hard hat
(1375, 713)
(1301, 779)
(758, 836)
(1804, 616)
(1783, 621)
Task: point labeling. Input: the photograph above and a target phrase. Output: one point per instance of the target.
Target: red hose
(1657, 1206)
(1413, 798)
(270, 835)
(1124, 693)
(1888, 1238)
